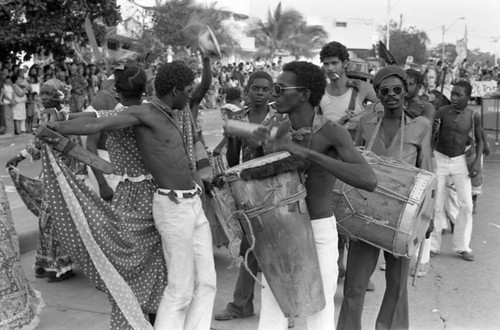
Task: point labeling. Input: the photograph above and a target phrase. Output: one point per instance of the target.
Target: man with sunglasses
(384, 132)
(328, 150)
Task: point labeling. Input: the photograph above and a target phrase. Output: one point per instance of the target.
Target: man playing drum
(392, 134)
(330, 153)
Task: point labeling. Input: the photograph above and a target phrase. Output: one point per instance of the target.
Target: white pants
(325, 237)
(456, 169)
(188, 299)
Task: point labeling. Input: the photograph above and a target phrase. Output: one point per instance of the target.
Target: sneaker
(226, 315)
(467, 256)
(62, 277)
(40, 272)
(434, 253)
(371, 286)
(382, 266)
(291, 323)
(423, 269)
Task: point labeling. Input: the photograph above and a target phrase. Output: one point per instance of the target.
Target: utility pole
(388, 23)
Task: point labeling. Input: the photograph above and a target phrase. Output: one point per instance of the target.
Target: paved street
(456, 294)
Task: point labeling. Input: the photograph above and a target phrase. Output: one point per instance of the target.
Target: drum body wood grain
(284, 241)
(396, 215)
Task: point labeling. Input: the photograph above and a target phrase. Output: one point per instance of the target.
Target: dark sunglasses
(278, 89)
(384, 91)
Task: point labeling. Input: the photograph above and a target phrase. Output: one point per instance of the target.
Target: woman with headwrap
(51, 259)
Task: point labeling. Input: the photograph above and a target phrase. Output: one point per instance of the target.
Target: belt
(184, 194)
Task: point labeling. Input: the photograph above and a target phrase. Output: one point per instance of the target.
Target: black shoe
(62, 277)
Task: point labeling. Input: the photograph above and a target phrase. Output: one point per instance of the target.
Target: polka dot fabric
(117, 247)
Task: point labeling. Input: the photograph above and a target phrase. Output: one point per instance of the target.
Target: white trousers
(325, 237)
(188, 299)
(456, 169)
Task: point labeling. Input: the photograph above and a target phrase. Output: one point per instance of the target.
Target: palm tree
(286, 32)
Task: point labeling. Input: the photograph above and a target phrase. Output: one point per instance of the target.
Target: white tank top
(335, 107)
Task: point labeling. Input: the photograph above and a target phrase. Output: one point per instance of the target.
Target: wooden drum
(270, 193)
(396, 215)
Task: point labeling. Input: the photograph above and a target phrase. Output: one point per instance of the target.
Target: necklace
(460, 114)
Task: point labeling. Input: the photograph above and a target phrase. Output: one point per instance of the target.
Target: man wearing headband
(459, 124)
(384, 132)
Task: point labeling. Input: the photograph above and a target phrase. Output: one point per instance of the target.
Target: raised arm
(202, 88)
(87, 125)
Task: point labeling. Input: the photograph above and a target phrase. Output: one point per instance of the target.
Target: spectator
(19, 105)
(8, 100)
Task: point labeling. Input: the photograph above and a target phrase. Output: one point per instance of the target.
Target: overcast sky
(481, 16)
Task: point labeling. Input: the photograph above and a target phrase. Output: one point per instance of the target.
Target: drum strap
(377, 128)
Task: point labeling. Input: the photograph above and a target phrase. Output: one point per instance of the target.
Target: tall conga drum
(270, 193)
(396, 215)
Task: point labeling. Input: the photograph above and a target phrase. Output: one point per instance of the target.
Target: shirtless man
(414, 105)
(457, 122)
(329, 150)
(344, 98)
(188, 300)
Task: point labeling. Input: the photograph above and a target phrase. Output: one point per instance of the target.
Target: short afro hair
(416, 76)
(170, 75)
(259, 74)
(131, 81)
(309, 76)
(465, 85)
(333, 49)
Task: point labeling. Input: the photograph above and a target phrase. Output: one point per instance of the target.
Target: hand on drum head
(287, 145)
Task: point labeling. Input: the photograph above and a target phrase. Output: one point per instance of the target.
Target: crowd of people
(150, 249)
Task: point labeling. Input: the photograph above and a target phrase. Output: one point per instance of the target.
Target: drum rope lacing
(255, 212)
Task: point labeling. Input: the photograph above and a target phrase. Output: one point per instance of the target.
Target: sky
(481, 16)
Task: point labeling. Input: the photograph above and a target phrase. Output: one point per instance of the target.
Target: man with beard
(458, 121)
(414, 105)
(391, 134)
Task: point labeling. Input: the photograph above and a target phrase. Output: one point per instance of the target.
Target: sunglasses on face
(384, 91)
(278, 89)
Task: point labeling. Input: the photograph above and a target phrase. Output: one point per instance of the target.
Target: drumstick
(419, 258)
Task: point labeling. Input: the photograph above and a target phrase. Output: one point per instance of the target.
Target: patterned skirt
(50, 255)
(19, 302)
(117, 247)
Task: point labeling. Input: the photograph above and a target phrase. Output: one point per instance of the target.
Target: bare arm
(233, 151)
(202, 88)
(352, 168)
(478, 132)
(87, 126)
(105, 190)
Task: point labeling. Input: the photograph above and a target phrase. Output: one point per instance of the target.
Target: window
(341, 24)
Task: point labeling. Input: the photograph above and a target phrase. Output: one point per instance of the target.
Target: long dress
(50, 254)
(123, 254)
(19, 302)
